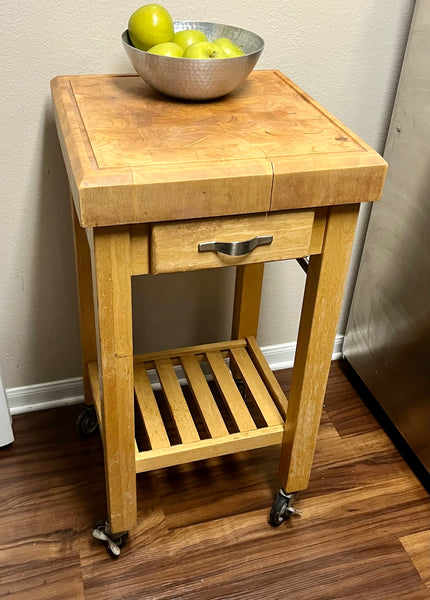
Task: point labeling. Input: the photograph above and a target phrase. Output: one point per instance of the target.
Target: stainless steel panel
(6, 433)
(388, 334)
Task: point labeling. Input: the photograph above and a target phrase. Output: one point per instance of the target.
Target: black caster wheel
(113, 542)
(86, 423)
(282, 508)
(241, 387)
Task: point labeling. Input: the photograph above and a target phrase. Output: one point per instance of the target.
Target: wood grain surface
(322, 301)
(202, 531)
(112, 285)
(133, 155)
(175, 246)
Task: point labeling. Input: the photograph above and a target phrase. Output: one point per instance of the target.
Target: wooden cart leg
(246, 308)
(112, 290)
(320, 313)
(86, 302)
(247, 296)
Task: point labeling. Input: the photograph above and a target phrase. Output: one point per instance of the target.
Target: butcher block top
(136, 156)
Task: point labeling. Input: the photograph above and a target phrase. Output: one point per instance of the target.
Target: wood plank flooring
(203, 533)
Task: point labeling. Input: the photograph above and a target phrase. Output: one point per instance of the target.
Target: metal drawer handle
(236, 248)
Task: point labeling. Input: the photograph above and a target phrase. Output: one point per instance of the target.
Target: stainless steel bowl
(195, 79)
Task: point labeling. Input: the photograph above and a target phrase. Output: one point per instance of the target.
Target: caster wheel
(241, 387)
(113, 542)
(282, 508)
(86, 423)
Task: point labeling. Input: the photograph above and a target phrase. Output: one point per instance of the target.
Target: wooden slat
(204, 449)
(267, 376)
(203, 396)
(149, 409)
(177, 352)
(177, 403)
(176, 360)
(256, 387)
(234, 401)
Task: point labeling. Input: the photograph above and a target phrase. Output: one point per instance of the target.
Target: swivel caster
(282, 508)
(87, 423)
(113, 542)
(241, 387)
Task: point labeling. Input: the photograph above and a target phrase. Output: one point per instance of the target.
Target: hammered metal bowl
(194, 79)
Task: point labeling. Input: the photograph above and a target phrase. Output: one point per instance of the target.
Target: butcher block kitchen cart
(161, 185)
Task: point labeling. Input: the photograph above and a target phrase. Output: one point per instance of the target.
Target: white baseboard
(42, 396)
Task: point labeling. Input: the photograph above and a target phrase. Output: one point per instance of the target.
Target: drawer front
(183, 246)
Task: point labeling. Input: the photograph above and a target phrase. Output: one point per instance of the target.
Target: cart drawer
(220, 242)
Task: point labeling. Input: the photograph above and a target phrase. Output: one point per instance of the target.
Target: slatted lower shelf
(208, 416)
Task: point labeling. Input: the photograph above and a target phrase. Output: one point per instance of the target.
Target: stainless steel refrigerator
(6, 434)
(387, 341)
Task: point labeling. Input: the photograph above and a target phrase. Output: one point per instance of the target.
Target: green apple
(149, 25)
(167, 49)
(229, 48)
(189, 36)
(204, 50)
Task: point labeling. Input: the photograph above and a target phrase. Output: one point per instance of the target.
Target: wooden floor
(203, 532)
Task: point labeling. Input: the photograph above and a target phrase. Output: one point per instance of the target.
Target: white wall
(346, 54)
